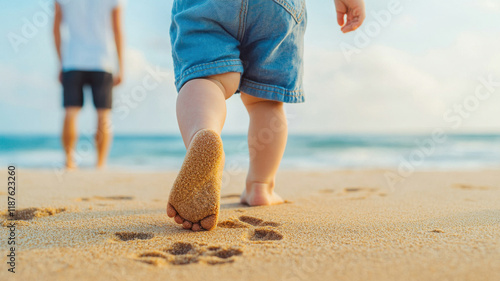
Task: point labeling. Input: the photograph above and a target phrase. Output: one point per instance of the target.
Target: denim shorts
(261, 39)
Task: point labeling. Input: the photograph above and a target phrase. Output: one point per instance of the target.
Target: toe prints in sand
(265, 230)
(103, 198)
(181, 253)
(246, 222)
(127, 236)
(30, 214)
(355, 193)
(471, 187)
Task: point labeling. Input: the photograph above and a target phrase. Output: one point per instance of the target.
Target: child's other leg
(201, 112)
(267, 136)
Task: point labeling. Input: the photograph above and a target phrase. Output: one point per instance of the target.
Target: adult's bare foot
(70, 165)
(195, 197)
(260, 194)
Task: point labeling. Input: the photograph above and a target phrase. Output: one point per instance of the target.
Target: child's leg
(201, 104)
(201, 112)
(267, 137)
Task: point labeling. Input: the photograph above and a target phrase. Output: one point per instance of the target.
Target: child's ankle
(260, 186)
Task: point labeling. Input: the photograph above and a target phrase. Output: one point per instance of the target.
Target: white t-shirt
(88, 40)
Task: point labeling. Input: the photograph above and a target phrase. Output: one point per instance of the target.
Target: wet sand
(339, 225)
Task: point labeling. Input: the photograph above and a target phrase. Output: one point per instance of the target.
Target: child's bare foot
(259, 194)
(195, 197)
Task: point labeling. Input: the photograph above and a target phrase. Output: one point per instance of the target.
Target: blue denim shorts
(261, 39)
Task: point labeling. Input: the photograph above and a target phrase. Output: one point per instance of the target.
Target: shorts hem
(271, 92)
(207, 69)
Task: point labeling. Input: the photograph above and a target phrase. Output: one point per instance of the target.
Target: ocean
(305, 152)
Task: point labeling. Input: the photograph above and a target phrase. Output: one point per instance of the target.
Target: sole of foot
(194, 199)
(260, 195)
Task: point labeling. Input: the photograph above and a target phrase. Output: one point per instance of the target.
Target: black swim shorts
(100, 82)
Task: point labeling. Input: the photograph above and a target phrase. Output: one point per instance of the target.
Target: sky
(413, 67)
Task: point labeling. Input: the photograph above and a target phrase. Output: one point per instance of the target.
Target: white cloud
(385, 90)
(488, 5)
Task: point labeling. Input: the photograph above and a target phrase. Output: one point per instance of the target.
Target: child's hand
(355, 11)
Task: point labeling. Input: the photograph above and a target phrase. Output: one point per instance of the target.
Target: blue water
(303, 152)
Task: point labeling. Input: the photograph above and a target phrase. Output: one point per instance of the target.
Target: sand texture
(340, 225)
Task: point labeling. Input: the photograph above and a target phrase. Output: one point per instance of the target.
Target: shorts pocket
(295, 7)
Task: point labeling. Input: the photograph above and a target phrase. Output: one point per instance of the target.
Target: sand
(338, 225)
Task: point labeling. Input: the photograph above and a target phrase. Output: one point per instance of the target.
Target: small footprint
(258, 222)
(358, 189)
(246, 222)
(232, 223)
(31, 213)
(227, 253)
(251, 220)
(127, 236)
(360, 193)
(470, 187)
(180, 248)
(181, 253)
(115, 198)
(266, 234)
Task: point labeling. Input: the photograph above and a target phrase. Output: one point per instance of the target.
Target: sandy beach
(339, 225)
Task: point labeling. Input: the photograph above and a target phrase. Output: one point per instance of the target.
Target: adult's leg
(102, 92)
(103, 136)
(267, 136)
(70, 134)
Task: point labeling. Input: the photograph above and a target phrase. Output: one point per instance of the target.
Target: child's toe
(196, 227)
(171, 212)
(178, 219)
(187, 224)
(209, 222)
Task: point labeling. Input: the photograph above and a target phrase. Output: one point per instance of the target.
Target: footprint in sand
(258, 222)
(352, 192)
(116, 198)
(470, 187)
(358, 189)
(357, 193)
(181, 253)
(246, 222)
(265, 234)
(127, 236)
(31, 213)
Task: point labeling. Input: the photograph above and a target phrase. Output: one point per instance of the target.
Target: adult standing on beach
(87, 57)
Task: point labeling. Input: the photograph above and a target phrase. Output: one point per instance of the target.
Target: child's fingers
(340, 18)
(351, 25)
(355, 19)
